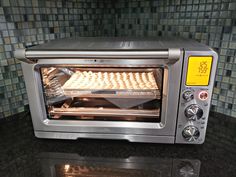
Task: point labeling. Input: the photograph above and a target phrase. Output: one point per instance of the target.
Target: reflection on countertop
(23, 155)
(72, 165)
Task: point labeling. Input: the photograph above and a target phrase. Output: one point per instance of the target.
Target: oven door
(133, 99)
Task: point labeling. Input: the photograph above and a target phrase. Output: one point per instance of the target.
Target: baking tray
(112, 84)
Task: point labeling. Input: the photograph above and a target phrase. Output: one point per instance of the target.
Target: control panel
(194, 113)
(195, 97)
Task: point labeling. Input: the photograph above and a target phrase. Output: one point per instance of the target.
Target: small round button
(188, 95)
(191, 133)
(193, 112)
(203, 95)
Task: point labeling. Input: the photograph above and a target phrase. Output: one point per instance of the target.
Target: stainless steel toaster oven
(137, 89)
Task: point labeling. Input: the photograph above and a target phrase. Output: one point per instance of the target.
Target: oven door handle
(170, 56)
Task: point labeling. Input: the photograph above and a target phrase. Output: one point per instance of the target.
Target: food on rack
(111, 80)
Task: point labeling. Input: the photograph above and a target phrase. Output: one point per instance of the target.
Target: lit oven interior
(110, 94)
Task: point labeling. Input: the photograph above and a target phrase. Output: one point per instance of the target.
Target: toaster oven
(137, 89)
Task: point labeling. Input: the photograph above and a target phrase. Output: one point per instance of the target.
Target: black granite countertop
(23, 155)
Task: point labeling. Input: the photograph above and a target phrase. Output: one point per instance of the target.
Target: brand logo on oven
(94, 61)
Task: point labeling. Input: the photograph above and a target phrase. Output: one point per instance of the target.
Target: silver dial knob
(188, 95)
(190, 133)
(193, 112)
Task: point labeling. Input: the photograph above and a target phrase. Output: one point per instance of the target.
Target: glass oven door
(107, 94)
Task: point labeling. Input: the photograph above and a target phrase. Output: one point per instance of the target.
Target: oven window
(108, 94)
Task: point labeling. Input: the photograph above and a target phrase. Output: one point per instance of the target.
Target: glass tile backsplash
(30, 22)
(25, 23)
(212, 22)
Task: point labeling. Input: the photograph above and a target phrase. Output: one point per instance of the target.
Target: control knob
(193, 111)
(188, 95)
(191, 133)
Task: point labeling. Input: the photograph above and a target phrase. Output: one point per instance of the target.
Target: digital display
(199, 70)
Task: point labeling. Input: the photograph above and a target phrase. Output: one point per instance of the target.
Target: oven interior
(109, 94)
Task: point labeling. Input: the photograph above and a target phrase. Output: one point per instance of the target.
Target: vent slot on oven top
(120, 94)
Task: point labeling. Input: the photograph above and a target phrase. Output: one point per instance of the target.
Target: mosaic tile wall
(212, 22)
(29, 22)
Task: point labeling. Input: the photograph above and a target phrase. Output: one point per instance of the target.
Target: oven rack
(111, 93)
(82, 111)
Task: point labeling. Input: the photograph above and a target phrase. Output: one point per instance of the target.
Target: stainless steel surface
(120, 44)
(120, 136)
(174, 54)
(103, 48)
(193, 112)
(96, 54)
(20, 55)
(201, 124)
(171, 55)
(123, 54)
(191, 133)
(106, 63)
